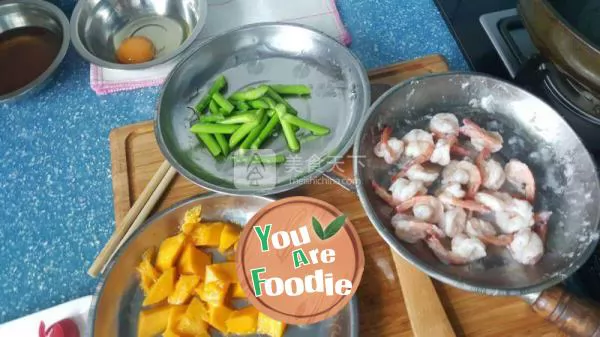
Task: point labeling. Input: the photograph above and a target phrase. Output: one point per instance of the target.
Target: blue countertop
(56, 208)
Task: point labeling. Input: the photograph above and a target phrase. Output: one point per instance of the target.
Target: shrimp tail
(383, 194)
(415, 161)
(497, 240)
(447, 257)
(541, 224)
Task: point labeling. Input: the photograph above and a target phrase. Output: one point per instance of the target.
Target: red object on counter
(64, 328)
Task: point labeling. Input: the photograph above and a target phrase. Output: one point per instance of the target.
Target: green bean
(246, 117)
(259, 104)
(256, 158)
(291, 89)
(214, 128)
(266, 132)
(316, 129)
(250, 94)
(223, 103)
(240, 133)
(275, 96)
(210, 142)
(255, 132)
(270, 102)
(288, 132)
(214, 108)
(217, 86)
(211, 118)
(223, 144)
(241, 106)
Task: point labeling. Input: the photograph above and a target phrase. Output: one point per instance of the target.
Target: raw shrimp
(411, 230)
(519, 174)
(465, 173)
(453, 190)
(464, 250)
(384, 194)
(444, 124)
(426, 174)
(427, 208)
(404, 189)
(419, 147)
(442, 150)
(486, 232)
(492, 173)
(453, 222)
(526, 247)
(389, 148)
(496, 201)
(481, 138)
(517, 216)
(470, 205)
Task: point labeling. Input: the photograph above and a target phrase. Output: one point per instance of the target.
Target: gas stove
(494, 40)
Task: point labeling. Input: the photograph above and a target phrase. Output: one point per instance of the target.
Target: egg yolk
(136, 49)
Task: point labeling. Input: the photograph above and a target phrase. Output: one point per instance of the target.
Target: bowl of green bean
(261, 109)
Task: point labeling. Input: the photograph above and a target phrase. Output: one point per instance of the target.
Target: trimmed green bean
(211, 118)
(266, 132)
(217, 86)
(210, 142)
(240, 133)
(250, 94)
(316, 129)
(288, 132)
(299, 89)
(267, 160)
(269, 101)
(259, 104)
(223, 102)
(241, 106)
(246, 117)
(275, 96)
(214, 128)
(214, 108)
(223, 143)
(255, 132)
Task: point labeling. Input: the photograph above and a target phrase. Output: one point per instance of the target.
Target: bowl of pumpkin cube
(176, 277)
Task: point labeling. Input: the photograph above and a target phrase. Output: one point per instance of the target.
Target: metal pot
(568, 34)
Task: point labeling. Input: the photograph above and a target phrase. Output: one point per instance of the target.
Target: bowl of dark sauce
(34, 38)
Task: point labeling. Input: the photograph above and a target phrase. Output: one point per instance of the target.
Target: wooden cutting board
(135, 158)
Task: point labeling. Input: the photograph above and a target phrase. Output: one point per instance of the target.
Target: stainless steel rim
(82, 50)
(392, 241)
(280, 188)
(64, 23)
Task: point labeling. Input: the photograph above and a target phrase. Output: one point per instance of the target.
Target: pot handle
(575, 316)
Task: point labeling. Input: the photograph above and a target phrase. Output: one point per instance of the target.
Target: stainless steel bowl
(99, 26)
(118, 299)
(265, 53)
(35, 13)
(566, 176)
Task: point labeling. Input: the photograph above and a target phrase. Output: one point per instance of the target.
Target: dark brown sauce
(25, 53)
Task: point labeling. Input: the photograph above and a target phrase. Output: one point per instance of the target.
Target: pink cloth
(321, 15)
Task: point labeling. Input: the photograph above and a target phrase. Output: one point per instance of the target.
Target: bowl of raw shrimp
(478, 183)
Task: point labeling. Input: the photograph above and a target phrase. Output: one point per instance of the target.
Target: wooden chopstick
(135, 216)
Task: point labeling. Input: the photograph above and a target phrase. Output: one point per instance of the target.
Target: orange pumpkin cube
(162, 288)
(191, 219)
(214, 292)
(197, 310)
(208, 234)
(217, 316)
(153, 321)
(237, 291)
(183, 289)
(175, 315)
(148, 274)
(169, 251)
(193, 261)
(226, 272)
(243, 321)
(268, 326)
(229, 236)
